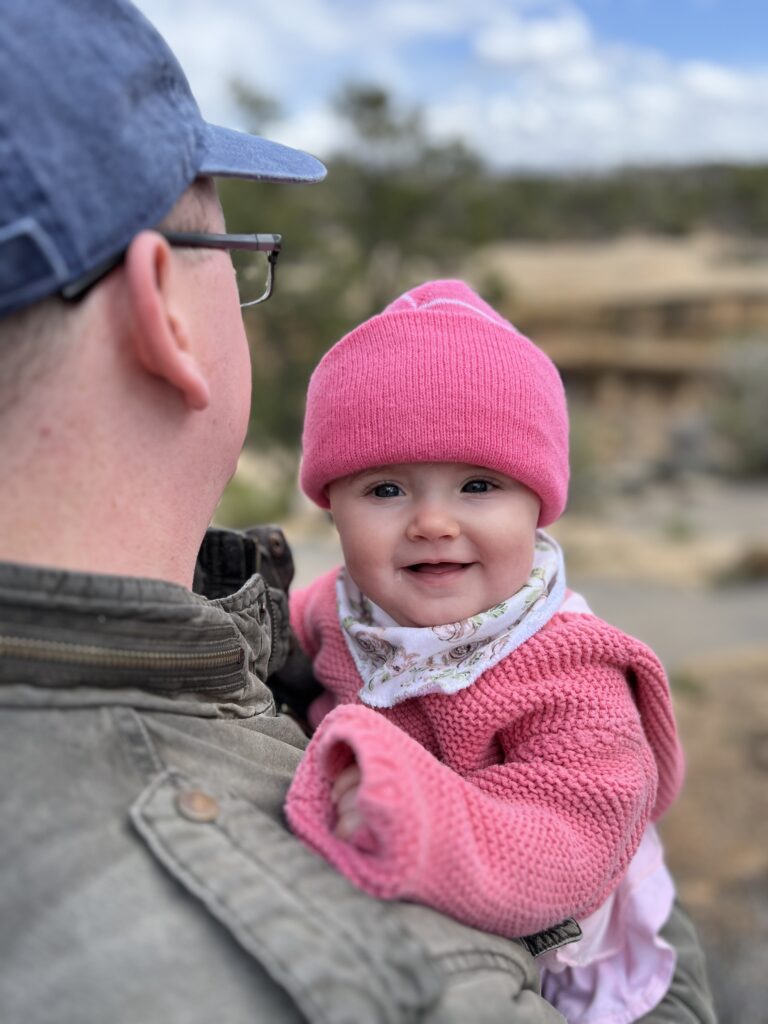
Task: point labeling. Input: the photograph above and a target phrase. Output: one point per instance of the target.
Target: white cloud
(408, 19)
(520, 41)
(527, 83)
(715, 83)
(317, 130)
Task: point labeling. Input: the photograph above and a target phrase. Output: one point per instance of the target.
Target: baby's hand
(344, 798)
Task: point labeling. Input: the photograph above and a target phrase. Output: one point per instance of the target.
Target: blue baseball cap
(99, 137)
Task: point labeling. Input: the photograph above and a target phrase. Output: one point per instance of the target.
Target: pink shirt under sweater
(510, 805)
(621, 968)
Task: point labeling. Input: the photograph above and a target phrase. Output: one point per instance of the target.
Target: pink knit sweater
(510, 805)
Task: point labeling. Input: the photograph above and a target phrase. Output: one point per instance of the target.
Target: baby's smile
(438, 569)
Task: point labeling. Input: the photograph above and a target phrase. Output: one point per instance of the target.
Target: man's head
(125, 410)
(99, 137)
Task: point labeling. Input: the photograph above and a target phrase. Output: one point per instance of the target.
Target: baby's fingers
(346, 780)
(344, 797)
(347, 802)
(350, 820)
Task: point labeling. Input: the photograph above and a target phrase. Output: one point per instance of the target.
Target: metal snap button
(195, 805)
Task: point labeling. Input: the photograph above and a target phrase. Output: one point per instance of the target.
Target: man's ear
(160, 336)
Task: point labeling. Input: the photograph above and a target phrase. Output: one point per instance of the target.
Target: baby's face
(435, 542)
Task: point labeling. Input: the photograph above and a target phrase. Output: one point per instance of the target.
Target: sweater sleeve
(512, 848)
(298, 601)
(306, 606)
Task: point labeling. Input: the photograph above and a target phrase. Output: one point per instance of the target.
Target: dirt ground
(716, 836)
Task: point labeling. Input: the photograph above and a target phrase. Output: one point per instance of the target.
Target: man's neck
(113, 529)
(72, 558)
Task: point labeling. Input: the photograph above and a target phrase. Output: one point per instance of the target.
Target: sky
(553, 85)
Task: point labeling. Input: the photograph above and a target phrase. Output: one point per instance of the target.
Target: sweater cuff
(386, 854)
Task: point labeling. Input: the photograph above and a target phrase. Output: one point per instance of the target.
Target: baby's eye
(385, 491)
(477, 486)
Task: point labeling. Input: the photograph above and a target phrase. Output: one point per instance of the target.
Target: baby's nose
(432, 522)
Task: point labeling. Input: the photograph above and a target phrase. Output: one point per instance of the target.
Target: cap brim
(231, 154)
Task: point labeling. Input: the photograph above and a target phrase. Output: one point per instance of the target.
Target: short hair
(192, 210)
(30, 337)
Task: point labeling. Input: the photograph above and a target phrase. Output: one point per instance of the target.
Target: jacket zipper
(113, 657)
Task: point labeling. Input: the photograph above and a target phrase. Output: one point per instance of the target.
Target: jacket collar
(66, 629)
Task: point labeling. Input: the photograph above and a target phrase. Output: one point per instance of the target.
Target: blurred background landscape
(608, 193)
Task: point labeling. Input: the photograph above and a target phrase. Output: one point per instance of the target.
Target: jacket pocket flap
(340, 955)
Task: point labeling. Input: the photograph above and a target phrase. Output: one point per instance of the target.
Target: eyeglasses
(254, 258)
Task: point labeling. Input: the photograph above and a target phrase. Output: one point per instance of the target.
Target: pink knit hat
(438, 376)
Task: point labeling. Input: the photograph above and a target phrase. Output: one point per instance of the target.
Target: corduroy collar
(65, 629)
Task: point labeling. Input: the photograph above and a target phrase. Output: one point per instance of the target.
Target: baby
(485, 744)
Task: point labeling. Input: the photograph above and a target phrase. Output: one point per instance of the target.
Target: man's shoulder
(151, 843)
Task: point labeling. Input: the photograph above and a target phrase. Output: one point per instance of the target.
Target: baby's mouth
(437, 568)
